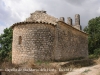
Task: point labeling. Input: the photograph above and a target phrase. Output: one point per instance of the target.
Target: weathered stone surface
(69, 21)
(77, 19)
(77, 22)
(47, 41)
(62, 19)
(37, 42)
(42, 16)
(71, 43)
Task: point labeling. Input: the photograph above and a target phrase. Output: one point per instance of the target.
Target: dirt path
(92, 70)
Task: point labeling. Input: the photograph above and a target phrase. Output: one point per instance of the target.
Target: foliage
(6, 44)
(97, 52)
(93, 30)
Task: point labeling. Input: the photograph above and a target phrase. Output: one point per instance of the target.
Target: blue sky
(12, 11)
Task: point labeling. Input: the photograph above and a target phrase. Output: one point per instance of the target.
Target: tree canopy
(6, 44)
(93, 30)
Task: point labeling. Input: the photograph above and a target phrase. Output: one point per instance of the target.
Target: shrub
(97, 52)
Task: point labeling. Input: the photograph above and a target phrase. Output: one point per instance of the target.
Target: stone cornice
(40, 22)
(72, 27)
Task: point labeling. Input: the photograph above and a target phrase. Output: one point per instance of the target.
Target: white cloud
(15, 11)
(98, 10)
(2, 28)
(12, 11)
(21, 8)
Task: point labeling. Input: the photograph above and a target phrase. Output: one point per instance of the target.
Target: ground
(73, 67)
(91, 70)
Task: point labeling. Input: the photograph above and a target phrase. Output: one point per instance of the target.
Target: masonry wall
(47, 42)
(38, 41)
(71, 43)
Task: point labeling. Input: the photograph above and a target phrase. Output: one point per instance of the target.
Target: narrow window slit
(20, 40)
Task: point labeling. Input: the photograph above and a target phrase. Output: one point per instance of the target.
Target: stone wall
(47, 42)
(77, 22)
(43, 37)
(38, 41)
(42, 16)
(71, 43)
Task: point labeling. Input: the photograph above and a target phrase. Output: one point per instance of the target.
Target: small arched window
(20, 40)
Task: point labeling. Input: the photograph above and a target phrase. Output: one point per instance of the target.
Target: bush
(6, 44)
(97, 52)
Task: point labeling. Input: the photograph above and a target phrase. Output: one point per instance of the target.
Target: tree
(6, 44)
(93, 30)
